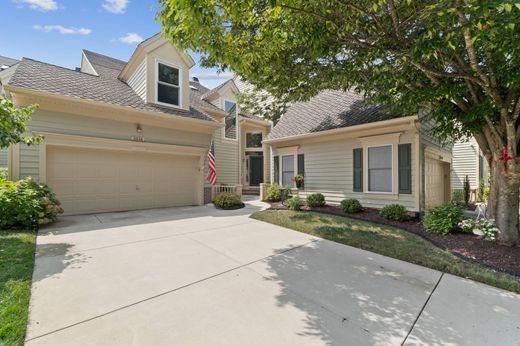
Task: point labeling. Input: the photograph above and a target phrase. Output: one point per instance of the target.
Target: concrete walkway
(199, 276)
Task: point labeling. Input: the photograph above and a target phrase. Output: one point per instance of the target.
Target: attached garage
(436, 179)
(90, 180)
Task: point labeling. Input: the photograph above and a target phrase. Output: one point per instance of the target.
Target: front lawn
(16, 267)
(388, 241)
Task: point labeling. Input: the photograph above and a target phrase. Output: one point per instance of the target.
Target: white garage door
(435, 182)
(87, 180)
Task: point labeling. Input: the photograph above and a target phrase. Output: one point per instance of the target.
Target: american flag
(212, 171)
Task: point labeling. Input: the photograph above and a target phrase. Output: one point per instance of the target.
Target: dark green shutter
(358, 170)
(301, 166)
(276, 170)
(405, 168)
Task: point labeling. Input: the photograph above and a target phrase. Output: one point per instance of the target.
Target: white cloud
(62, 30)
(42, 5)
(131, 38)
(115, 6)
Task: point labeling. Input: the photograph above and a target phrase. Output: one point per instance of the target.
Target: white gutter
(342, 130)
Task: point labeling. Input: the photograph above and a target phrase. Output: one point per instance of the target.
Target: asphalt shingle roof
(7, 61)
(330, 109)
(104, 88)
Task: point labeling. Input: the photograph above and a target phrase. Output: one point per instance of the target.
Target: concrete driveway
(198, 276)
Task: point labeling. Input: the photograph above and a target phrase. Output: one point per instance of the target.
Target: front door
(256, 170)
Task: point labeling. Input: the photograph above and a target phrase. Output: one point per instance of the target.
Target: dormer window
(168, 86)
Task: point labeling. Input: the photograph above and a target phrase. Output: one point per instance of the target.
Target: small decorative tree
(13, 124)
(466, 190)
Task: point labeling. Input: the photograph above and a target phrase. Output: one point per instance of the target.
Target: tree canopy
(461, 56)
(456, 59)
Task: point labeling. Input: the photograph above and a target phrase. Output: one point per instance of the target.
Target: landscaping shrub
(395, 212)
(273, 193)
(442, 219)
(3, 174)
(294, 203)
(482, 227)
(26, 204)
(315, 200)
(351, 205)
(457, 197)
(227, 200)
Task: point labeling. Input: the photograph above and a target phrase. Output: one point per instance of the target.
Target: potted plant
(299, 179)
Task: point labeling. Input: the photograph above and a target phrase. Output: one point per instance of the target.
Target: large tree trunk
(503, 203)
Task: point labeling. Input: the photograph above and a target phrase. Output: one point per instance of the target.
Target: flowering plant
(481, 227)
(298, 179)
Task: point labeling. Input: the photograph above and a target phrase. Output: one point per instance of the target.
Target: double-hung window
(380, 168)
(168, 87)
(287, 169)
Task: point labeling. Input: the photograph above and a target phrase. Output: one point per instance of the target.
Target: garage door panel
(88, 180)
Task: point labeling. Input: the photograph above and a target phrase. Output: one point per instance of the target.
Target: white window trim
(160, 61)
(286, 152)
(223, 104)
(392, 168)
(391, 139)
(254, 133)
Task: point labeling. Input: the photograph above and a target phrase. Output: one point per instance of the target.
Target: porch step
(251, 192)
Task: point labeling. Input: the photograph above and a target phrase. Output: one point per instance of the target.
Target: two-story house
(122, 135)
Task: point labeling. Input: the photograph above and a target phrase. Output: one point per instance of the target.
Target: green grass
(388, 241)
(16, 267)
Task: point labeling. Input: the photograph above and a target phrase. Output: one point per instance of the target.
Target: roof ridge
(54, 65)
(105, 56)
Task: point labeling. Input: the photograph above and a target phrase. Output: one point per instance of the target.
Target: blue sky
(55, 31)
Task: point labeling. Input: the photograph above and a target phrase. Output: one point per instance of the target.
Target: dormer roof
(148, 45)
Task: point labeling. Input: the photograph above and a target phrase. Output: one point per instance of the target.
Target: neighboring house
(129, 135)
(468, 160)
(346, 149)
(7, 68)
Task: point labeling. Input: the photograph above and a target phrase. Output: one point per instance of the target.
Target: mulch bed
(466, 246)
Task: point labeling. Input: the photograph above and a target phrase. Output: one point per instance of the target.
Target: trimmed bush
(394, 212)
(227, 200)
(351, 205)
(315, 200)
(442, 219)
(294, 203)
(27, 204)
(273, 193)
(3, 174)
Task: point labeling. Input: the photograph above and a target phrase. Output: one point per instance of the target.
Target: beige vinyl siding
(226, 159)
(226, 154)
(137, 80)
(431, 141)
(465, 162)
(29, 162)
(3, 157)
(329, 170)
(62, 123)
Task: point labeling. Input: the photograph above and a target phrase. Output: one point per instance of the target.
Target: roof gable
(147, 46)
(221, 90)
